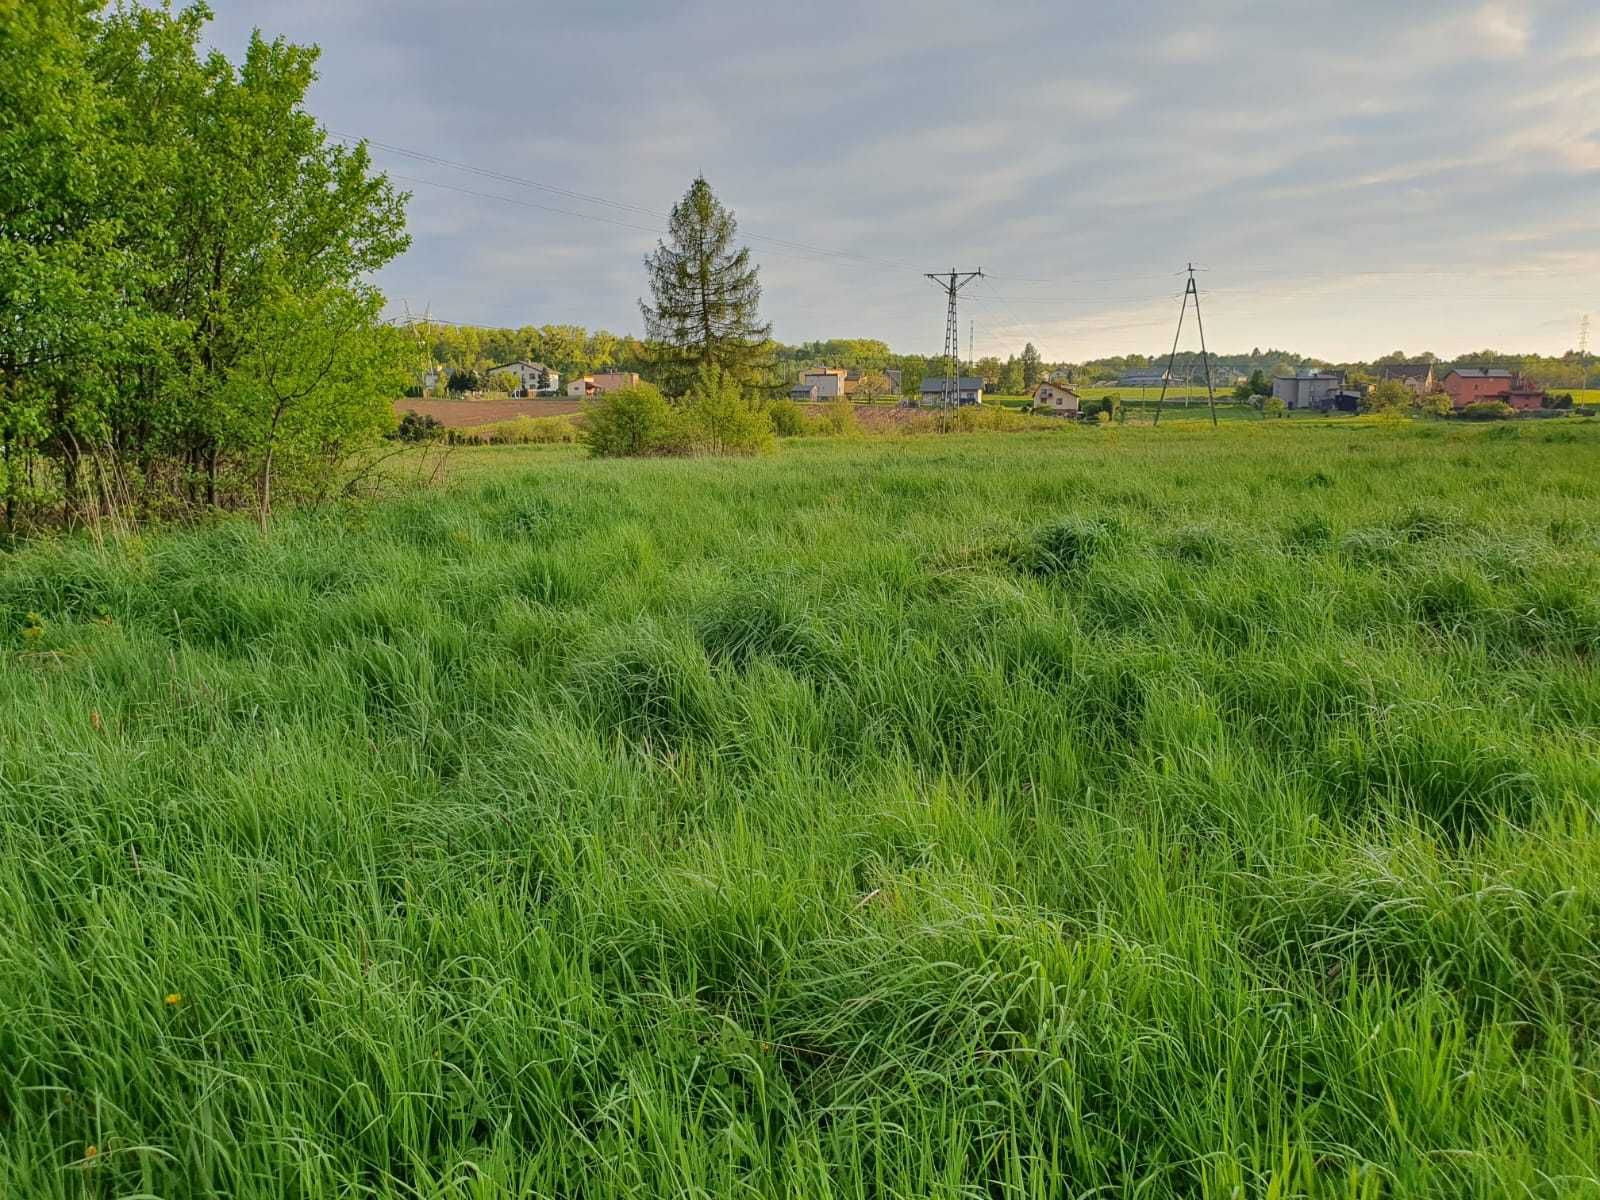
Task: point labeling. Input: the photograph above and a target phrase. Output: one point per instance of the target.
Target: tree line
(182, 256)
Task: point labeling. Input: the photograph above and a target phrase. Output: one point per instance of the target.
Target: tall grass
(1116, 813)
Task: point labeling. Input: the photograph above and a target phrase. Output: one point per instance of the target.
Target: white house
(530, 376)
(1055, 398)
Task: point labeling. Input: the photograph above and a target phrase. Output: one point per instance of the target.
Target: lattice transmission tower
(950, 283)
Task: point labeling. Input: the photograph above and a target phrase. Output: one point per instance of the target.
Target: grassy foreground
(1121, 812)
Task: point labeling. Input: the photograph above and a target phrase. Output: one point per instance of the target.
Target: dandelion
(91, 1151)
(174, 999)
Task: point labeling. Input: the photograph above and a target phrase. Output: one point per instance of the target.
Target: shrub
(721, 420)
(788, 418)
(524, 431)
(418, 427)
(631, 422)
(1560, 400)
(1488, 410)
(840, 418)
(1436, 405)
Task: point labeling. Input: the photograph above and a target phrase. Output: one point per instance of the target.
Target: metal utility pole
(1166, 377)
(952, 283)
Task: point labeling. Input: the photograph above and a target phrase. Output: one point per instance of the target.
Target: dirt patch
(876, 417)
(464, 414)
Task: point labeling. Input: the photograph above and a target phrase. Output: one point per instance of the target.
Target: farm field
(1114, 811)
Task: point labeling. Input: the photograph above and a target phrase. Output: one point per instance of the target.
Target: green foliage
(173, 211)
(918, 819)
(1488, 410)
(1274, 406)
(1032, 371)
(1388, 396)
(632, 422)
(840, 418)
(418, 427)
(719, 418)
(706, 298)
(788, 418)
(521, 431)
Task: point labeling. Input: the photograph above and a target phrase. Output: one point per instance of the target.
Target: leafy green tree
(1387, 396)
(1032, 370)
(872, 385)
(310, 384)
(707, 297)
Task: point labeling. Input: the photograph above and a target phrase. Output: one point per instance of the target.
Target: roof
(1482, 372)
(1054, 387)
(935, 384)
(521, 362)
(1321, 376)
(1146, 374)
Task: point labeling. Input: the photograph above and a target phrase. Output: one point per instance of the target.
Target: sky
(1350, 177)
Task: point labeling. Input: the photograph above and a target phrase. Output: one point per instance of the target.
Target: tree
(873, 384)
(1031, 368)
(311, 382)
(1011, 379)
(707, 297)
(1387, 396)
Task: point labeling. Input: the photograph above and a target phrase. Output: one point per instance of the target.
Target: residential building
(1418, 377)
(1490, 385)
(1309, 389)
(601, 382)
(830, 382)
(531, 376)
(803, 393)
(969, 390)
(611, 381)
(1055, 398)
(896, 379)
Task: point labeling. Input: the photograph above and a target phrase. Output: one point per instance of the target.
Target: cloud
(1080, 153)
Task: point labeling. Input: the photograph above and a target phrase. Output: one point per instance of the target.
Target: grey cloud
(1292, 148)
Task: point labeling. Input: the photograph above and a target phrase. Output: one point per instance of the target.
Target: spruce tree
(707, 299)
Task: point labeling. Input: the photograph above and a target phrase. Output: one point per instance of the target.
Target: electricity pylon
(951, 284)
(1211, 395)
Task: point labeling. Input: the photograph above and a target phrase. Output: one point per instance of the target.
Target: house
(1143, 379)
(1055, 398)
(969, 390)
(530, 376)
(611, 381)
(1416, 376)
(830, 382)
(1309, 389)
(1490, 385)
(600, 383)
(803, 393)
(896, 379)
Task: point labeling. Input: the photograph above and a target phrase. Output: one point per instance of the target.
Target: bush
(1488, 410)
(788, 418)
(1561, 400)
(523, 431)
(840, 418)
(719, 418)
(632, 422)
(418, 427)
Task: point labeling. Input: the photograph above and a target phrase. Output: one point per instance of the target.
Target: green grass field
(1111, 812)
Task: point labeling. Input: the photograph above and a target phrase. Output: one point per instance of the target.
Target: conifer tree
(707, 299)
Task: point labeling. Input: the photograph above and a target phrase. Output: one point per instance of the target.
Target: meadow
(1096, 811)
